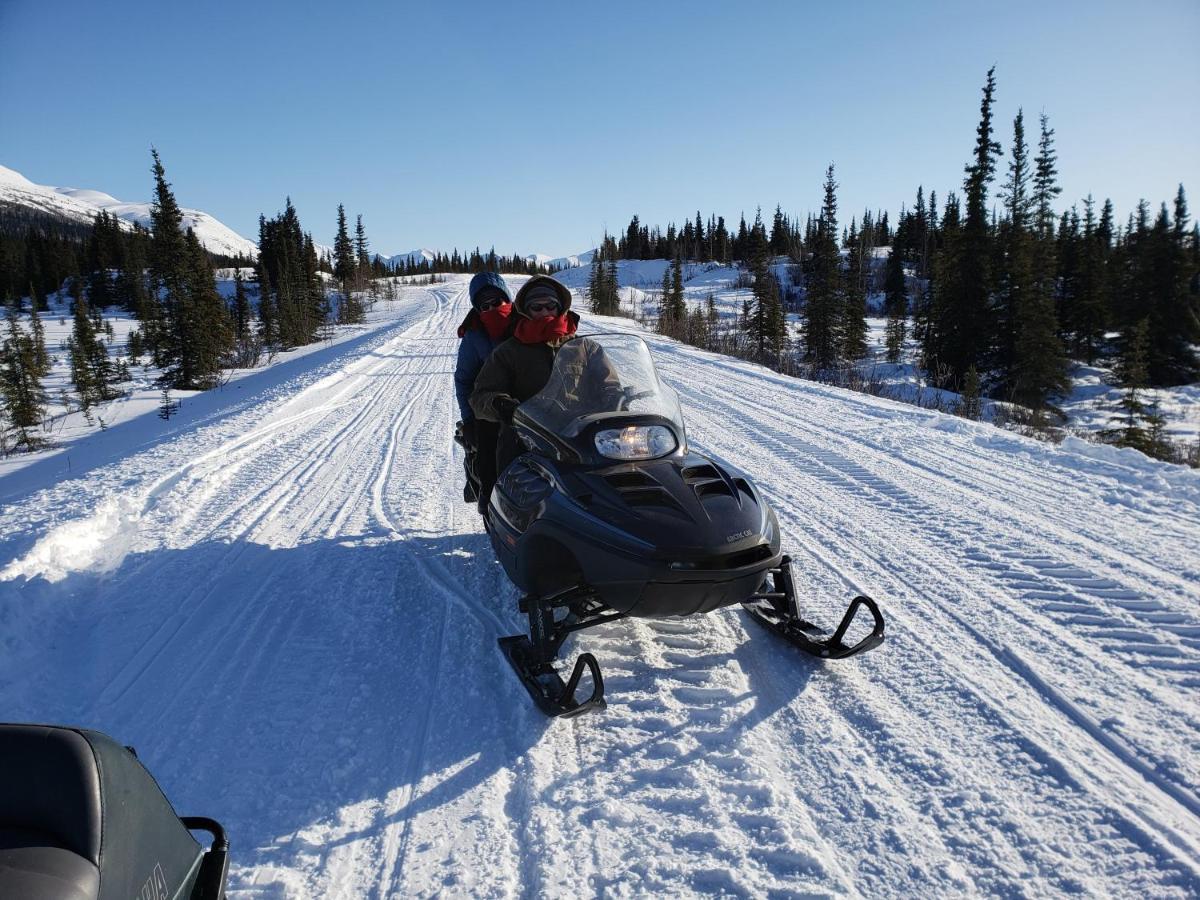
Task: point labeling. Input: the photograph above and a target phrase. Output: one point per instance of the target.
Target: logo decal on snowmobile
(737, 537)
(155, 887)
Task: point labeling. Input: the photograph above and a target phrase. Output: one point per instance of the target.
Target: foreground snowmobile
(608, 514)
(81, 819)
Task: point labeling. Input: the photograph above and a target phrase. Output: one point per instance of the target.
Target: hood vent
(709, 481)
(641, 491)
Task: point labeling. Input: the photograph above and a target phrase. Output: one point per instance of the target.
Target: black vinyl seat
(81, 819)
(33, 868)
(49, 814)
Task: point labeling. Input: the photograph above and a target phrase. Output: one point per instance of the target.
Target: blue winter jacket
(473, 350)
(475, 346)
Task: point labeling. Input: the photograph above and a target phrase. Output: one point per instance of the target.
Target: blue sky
(533, 126)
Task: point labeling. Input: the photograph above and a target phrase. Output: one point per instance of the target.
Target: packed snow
(279, 597)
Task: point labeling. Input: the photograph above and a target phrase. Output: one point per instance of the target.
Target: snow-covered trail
(292, 615)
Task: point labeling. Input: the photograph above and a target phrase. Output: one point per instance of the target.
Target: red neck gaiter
(495, 320)
(539, 331)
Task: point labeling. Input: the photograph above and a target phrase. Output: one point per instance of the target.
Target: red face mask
(495, 320)
(539, 331)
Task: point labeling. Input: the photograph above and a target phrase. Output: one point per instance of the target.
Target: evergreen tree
(91, 370)
(1174, 320)
(1132, 376)
(1039, 364)
(780, 236)
(20, 385)
(41, 359)
(1014, 269)
(206, 338)
(895, 305)
(612, 288)
(361, 247)
(602, 282)
(665, 323)
(824, 294)
(1087, 312)
(969, 401)
(246, 346)
(169, 262)
(344, 261)
(268, 322)
(853, 325)
(962, 329)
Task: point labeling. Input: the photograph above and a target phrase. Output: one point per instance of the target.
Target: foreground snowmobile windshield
(604, 376)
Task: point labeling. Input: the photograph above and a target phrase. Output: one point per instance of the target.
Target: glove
(505, 406)
(469, 436)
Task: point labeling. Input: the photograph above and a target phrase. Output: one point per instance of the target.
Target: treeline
(166, 280)
(712, 241)
(998, 291)
(464, 263)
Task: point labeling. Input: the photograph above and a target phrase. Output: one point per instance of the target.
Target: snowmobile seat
(81, 819)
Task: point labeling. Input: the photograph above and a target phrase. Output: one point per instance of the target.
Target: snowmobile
(607, 514)
(82, 819)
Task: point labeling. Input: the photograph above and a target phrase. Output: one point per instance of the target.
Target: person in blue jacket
(486, 326)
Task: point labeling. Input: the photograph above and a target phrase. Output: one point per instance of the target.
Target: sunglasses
(545, 306)
(490, 303)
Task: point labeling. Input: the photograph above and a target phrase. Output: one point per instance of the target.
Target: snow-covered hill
(280, 599)
(78, 205)
(407, 256)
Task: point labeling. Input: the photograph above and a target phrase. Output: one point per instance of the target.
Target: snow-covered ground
(280, 599)
(140, 398)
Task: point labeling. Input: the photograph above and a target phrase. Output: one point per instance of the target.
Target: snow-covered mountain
(82, 205)
(407, 256)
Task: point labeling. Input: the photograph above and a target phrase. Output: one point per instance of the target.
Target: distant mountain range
(81, 205)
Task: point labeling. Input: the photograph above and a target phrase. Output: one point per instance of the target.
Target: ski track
(292, 615)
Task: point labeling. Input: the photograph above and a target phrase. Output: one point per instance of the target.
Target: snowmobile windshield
(602, 376)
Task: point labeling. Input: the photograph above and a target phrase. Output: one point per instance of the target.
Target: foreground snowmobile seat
(81, 819)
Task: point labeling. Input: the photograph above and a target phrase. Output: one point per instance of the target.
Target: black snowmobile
(81, 819)
(608, 514)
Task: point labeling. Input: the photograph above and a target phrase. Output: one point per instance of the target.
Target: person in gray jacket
(485, 327)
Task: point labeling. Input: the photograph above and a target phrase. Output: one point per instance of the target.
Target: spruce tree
(612, 287)
(678, 305)
(962, 331)
(206, 335)
(344, 263)
(665, 322)
(1014, 268)
(246, 346)
(895, 305)
(1039, 364)
(1132, 376)
(853, 325)
(824, 294)
(1087, 312)
(91, 370)
(20, 384)
(169, 262)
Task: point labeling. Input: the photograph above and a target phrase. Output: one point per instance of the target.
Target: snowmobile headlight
(635, 442)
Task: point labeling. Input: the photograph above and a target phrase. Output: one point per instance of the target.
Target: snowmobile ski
(778, 610)
(532, 657)
(552, 695)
